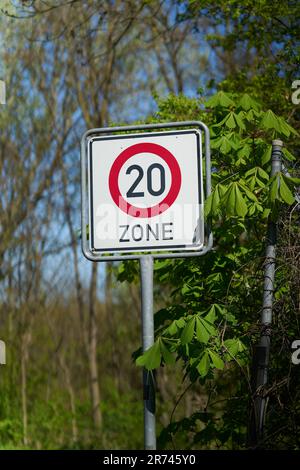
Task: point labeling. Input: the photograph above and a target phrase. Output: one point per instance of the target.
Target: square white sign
(146, 192)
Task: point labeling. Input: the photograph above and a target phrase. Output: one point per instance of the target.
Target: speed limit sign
(145, 191)
(142, 197)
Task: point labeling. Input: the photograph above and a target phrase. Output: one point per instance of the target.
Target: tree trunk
(71, 393)
(109, 313)
(24, 359)
(88, 332)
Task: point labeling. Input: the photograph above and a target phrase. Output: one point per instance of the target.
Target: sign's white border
(157, 247)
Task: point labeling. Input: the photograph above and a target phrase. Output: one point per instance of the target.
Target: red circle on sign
(166, 203)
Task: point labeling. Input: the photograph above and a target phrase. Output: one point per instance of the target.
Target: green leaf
(288, 155)
(234, 201)
(204, 329)
(229, 200)
(254, 177)
(274, 181)
(202, 333)
(151, 358)
(172, 329)
(251, 210)
(267, 155)
(232, 345)
(285, 192)
(252, 115)
(257, 208)
(221, 99)
(250, 195)
(185, 289)
(204, 364)
(239, 120)
(213, 201)
(222, 122)
(224, 143)
(166, 354)
(241, 206)
(188, 331)
(241, 345)
(225, 146)
(262, 174)
(244, 151)
(211, 315)
(216, 360)
(230, 122)
(219, 192)
(246, 103)
(180, 322)
(291, 179)
(271, 121)
(286, 129)
(266, 213)
(209, 326)
(208, 205)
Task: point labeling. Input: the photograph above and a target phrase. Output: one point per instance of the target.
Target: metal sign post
(146, 265)
(142, 197)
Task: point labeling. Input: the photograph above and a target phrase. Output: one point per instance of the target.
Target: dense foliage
(216, 300)
(213, 320)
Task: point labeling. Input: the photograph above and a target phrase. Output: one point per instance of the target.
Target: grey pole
(146, 265)
(266, 317)
(262, 350)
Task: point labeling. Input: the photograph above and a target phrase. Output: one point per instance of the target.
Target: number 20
(131, 191)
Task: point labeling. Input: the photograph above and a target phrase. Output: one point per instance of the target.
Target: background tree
(69, 329)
